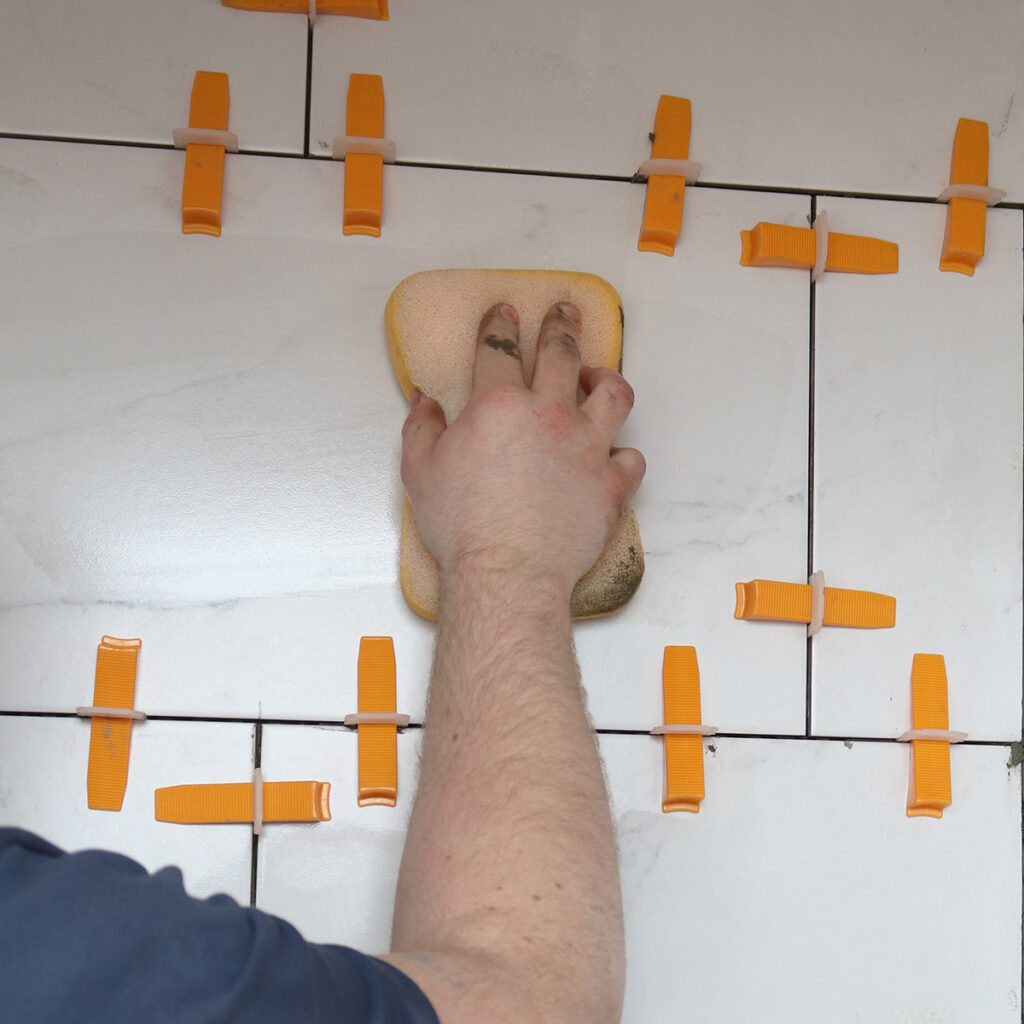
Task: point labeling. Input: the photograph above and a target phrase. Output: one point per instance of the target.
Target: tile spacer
(930, 788)
(205, 142)
(967, 197)
(364, 150)
(112, 714)
(377, 723)
(374, 9)
(817, 249)
(682, 731)
(255, 802)
(797, 602)
(667, 173)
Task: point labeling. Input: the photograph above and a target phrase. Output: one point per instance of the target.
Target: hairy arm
(508, 905)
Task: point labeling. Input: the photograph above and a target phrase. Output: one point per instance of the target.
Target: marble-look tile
(917, 474)
(767, 903)
(801, 891)
(334, 880)
(43, 770)
(866, 99)
(122, 70)
(202, 435)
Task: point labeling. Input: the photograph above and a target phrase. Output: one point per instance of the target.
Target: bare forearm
(511, 851)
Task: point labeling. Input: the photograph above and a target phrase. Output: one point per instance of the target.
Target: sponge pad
(432, 320)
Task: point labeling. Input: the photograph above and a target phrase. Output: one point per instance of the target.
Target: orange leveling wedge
(968, 196)
(930, 786)
(204, 162)
(364, 172)
(256, 802)
(780, 245)
(683, 732)
(377, 722)
(376, 9)
(815, 604)
(663, 209)
(111, 738)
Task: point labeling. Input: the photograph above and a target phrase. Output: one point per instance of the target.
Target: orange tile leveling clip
(112, 715)
(376, 9)
(815, 604)
(365, 151)
(667, 173)
(205, 142)
(817, 249)
(377, 722)
(930, 785)
(683, 732)
(234, 802)
(967, 197)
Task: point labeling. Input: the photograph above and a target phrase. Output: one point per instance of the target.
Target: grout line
(812, 295)
(309, 89)
(725, 186)
(257, 762)
(259, 723)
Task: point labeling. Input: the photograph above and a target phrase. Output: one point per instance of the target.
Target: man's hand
(525, 482)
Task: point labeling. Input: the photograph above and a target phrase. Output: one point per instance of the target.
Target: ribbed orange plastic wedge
(378, 744)
(376, 9)
(364, 172)
(964, 242)
(111, 738)
(930, 784)
(781, 245)
(204, 164)
(684, 755)
(225, 803)
(663, 208)
(791, 602)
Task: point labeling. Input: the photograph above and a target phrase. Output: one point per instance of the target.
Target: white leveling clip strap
(684, 730)
(94, 712)
(376, 718)
(817, 584)
(820, 226)
(688, 169)
(989, 196)
(185, 137)
(257, 801)
(941, 735)
(384, 148)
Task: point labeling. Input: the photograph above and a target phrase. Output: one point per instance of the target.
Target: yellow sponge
(432, 320)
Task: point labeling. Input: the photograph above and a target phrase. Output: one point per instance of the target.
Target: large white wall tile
(122, 70)
(863, 99)
(917, 474)
(335, 881)
(202, 435)
(43, 769)
(801, 891)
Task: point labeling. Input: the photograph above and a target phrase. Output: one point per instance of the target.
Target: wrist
(508, 587)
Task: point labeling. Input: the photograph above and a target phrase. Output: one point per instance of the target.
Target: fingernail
(509, 313)
(569, 310)
(415, 400)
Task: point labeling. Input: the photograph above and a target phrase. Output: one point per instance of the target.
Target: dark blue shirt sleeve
(92, 936)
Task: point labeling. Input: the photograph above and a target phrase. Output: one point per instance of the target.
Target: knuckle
(561, 341)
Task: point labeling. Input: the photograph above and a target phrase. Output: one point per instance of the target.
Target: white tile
(801, 891)
(917, 472)
(123, 70)
(204, 433)
(335, 880)
(43, 789)
(865, 99)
